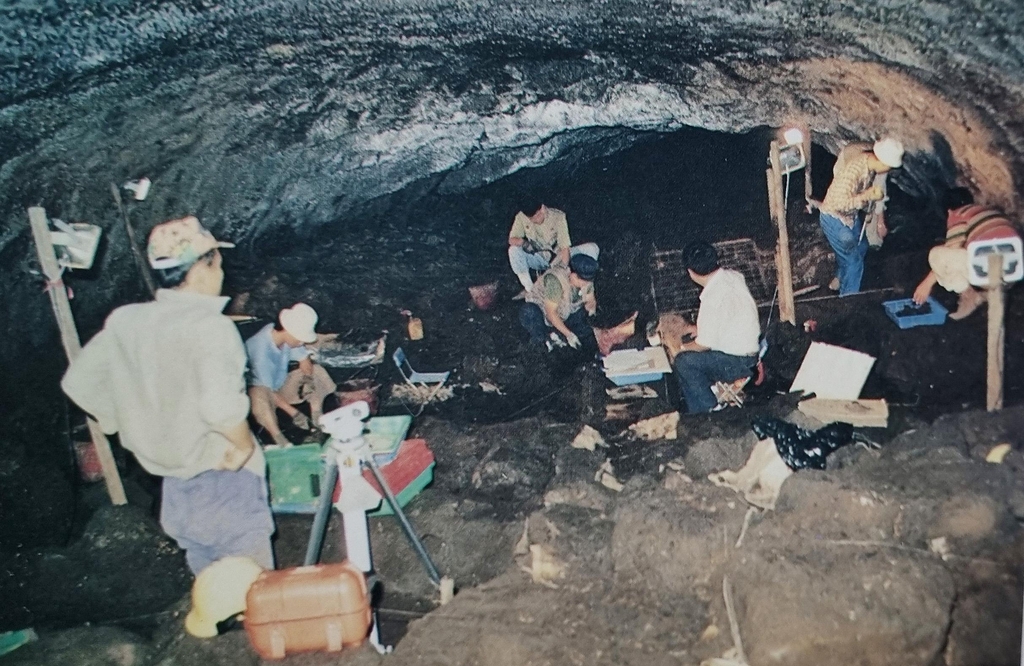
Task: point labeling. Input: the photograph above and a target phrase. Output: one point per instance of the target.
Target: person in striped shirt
(966, 221)
(850, 195)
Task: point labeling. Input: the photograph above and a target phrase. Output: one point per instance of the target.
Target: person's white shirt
(727, 320)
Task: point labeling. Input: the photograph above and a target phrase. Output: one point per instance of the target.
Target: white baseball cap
(300, 321)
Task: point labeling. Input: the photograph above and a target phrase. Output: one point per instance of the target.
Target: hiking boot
(970, 300)
(834, 284)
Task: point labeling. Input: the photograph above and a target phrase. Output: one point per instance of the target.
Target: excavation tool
(347, 453)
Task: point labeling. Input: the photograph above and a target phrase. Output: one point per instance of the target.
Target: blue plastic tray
(936, 317)
(636, 378)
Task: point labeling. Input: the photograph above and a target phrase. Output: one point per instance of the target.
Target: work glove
(301, 421)
(573, 340)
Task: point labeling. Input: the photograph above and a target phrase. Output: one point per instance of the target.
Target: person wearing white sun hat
(272, 386)
(852, 193)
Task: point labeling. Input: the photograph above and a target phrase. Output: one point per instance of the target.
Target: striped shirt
(976, 222)
(848, 192)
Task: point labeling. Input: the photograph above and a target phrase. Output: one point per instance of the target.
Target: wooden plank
(808, 186)
(861, 413)
(72, 344)
(783, 266)
(996, 332)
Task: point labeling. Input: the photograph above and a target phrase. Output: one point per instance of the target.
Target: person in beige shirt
(169, 377)
(539, 240)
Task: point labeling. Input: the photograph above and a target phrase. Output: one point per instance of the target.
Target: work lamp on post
(787, 154)
(791, 153)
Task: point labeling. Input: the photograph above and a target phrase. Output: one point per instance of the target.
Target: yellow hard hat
(219, 593)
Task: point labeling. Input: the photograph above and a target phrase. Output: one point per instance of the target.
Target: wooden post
(996, 330)
(784, 270)
(72, 344)
(808, 183)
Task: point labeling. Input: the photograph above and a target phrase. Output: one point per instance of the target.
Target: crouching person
(169, 377)
(725, 338)
(272, 386)
(556, 308)
(965, 222)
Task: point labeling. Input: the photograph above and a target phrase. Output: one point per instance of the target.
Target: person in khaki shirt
(169, 377)
(539, 240)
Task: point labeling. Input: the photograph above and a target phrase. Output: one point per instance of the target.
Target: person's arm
(87, 382)
(563, 256)
(924, 290)
(870, 195)
(517, 236)
(590, 302)
(306, 366)
(283, 405)
(224, 401)
(551, 310)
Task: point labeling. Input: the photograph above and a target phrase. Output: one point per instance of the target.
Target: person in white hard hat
(169, 377)
(219, 595)
(853, 191)
(272, 386)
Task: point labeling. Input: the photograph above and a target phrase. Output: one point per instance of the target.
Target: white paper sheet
(832, 372)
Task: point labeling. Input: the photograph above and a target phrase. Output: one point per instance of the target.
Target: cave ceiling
(282, 112)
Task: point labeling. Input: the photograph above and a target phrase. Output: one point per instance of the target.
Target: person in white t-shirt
(726, 335)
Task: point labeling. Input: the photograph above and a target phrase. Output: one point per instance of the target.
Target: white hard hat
(300, 320)
(218, 594)
(889, 152)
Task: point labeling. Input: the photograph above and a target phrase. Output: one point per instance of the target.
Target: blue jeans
(216, 514)
(850, 249)
(698, 371)
(522, 262)
(532, 318)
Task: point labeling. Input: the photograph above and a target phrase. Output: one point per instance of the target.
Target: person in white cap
(272, 386)
(169, 377)
(853, 191)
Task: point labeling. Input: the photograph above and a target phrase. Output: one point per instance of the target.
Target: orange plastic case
(307, 609)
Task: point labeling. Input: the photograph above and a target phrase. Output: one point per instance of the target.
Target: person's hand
(573, 340)
(875, 193)
(301, 421)
(234, 458)
(921, 294)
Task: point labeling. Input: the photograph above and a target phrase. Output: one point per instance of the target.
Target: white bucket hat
(300, 321)
(889, 152)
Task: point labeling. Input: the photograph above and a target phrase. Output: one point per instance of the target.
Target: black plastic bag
(801, 448)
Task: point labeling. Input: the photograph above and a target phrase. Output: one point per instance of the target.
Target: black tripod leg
(417, 545)
(323, 512)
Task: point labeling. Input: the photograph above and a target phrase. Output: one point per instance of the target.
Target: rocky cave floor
(841, 572)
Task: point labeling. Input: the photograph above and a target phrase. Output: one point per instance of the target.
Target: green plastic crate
(384, 434)
(295, 475)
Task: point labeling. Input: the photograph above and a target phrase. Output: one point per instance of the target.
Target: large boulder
(843, 605)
